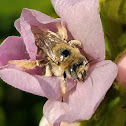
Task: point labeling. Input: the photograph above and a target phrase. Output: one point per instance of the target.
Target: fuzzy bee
(62, 57)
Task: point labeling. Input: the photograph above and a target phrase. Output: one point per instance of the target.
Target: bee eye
(65, 53)
(73, 71)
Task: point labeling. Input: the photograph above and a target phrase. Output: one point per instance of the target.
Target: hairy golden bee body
(64, 58)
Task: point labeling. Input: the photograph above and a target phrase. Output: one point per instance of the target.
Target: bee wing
(45, 41)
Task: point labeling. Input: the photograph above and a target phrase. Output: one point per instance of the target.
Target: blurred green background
(18, 108)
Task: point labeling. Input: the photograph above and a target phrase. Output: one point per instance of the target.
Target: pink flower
(121, 63)
(82, 99)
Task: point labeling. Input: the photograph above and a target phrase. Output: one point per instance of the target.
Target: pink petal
(83, 21)
(37, 18)
(12, 48)
(40, 85)
(51, 86)
(70, 84)
(28, 38)
(32, 17)
(17, 25)
(85, 98)
(36, 71)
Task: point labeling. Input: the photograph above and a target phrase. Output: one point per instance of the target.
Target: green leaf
(122, 41)
(116, 10)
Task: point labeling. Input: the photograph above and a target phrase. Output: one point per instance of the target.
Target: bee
(62, 57)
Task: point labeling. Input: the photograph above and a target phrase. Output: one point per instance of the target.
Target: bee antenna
(90, 61)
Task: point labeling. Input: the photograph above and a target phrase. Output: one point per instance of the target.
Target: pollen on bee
(62, 32)
(63, 88)
(75, 42)
(25, 64)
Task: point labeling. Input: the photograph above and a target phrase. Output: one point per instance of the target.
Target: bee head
(79, 69)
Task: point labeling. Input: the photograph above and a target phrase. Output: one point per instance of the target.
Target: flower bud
(121, 63)
(44, 122)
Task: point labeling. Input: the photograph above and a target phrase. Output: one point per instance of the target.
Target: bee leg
(25, 64)
(48, 71)
(75, 43)
(64, 86)
(41, 63)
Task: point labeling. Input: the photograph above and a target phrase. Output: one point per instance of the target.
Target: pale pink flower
(82, 99)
